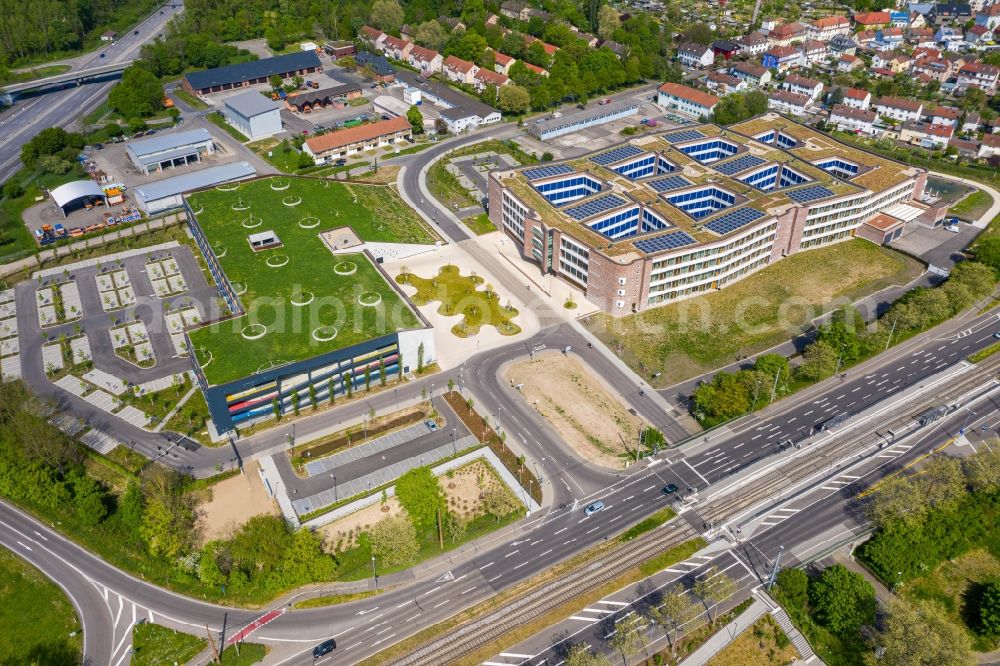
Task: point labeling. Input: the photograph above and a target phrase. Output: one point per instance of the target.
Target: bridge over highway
(9, 93)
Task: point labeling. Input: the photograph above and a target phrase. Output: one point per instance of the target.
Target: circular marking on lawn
(228, 188)
(308, 222)
(291, 201)
(220, 251)
(280, 184)
(210, 356)
(346, 268)
(276, 260)
(370, 299)
(201, 209)
(324, 333)
(241, 205)
(239, 288)
(302, 299)
(254, 331)
(252, 222)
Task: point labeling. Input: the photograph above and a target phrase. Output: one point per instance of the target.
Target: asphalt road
(63, 108)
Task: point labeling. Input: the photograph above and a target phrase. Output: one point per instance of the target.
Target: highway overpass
(9, 93)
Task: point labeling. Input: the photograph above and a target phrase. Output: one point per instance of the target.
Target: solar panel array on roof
(810, 193)
(547, 171)
(686, 135)
(671, 241)
(743, 163)
(595, 206)
(733, 220)
(668, 183)
(617, 155)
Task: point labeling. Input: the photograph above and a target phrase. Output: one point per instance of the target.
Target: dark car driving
(326, 647)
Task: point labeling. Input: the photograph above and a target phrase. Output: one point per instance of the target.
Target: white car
(953, 228)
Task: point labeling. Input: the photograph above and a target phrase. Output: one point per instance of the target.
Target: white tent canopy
(78, 189)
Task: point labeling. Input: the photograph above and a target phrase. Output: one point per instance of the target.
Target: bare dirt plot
(234, 502)
(464, 487)
(343, 533)
(581, 409)
(761, 644)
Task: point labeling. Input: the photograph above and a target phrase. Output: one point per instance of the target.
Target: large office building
(245, 74)
(670, 216)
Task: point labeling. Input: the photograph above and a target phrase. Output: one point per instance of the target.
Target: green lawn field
(300, 291)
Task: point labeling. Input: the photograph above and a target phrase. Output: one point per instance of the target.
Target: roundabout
(309, 222)
(346, 268)
(324, 333)
(253, 332)
(369, 299)
(302, 299)
(277, 260)
(252, 222)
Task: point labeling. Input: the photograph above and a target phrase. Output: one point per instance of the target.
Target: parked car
(326, 647)
(431, 425)
(593, 508)
(953, 228)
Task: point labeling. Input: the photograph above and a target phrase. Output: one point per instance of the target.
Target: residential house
(845, 118)
(843, 45)
(769, 23)
(754, 75)
(515, 9)
(535, 68)
(591, 40)
(948, 13)
(849, 63)
(828, 27)
(943, 115)
(871, 20)
(753, 44)
(801, 85)
(936, 68)
(786, 34)
(458, 70)
(949, 37)
(899, 18)
(109, 36)
(965, 148)
(917, 20)
(899, 109)
(979, 35)
(424, 60)
(381, 70)
(371, 37)
(334, 145)
(980, 75)
(689, 101)
(619, 50)
(725, 48)
(782, 58)
(396, 48)
(891, 60)
(724, 84)
(486, 77)
(502, 63)
(989, 17)
(971, 122)
(922, 37)
(926, 135)
(815, 51)
(989, 146)
(887, 39)
(865, 38)
(695, 55)
(791, 103)
(856, 98)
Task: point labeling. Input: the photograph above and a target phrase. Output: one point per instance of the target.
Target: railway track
(482, 631)
(826, 454)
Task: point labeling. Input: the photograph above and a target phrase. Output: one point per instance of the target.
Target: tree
(416, 119)
(138, 95)
(431, 35)
(793, 587)
(581, 655)
(499, 503)
(987, 251)
(652, 438)
(420, 494)
(513, 99)
(713, 587)
(989, 608)
(627, 636)
(983, 468)
(394, 541)
(12, 190)
(276, 81)
(919, 633)
(978, 277)
(699, 33)
(676, 610)
(607, 21)
(843, 600)
(820, 362)
(455, 526)
(386, 15)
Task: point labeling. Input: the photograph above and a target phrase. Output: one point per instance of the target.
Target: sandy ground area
(581, 409)
(234, 501)
(452, 350)
(343, 533)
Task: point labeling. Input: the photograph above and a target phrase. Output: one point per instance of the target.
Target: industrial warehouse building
(342, 143)
(458, 111)
(246, 74)
(598, 115)
(255, 116)
(165, 151)
(166, 194)
(667, 217)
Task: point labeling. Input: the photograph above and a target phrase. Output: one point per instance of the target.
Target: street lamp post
(395, 394)
(334, 487)
(374, 572)
(454, 447)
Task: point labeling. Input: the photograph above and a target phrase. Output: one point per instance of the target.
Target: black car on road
(326, 647)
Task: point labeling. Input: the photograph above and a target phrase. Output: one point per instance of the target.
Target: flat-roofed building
(165, 151)
(255, 116)
(167, 194)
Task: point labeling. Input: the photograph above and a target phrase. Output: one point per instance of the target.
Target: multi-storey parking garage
(668, 216)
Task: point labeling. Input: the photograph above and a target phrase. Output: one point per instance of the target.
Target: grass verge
(676, 554)
(189, 99)
(217, 118)
(36, 618)
(972, 206)
(155, 645)
(249, 653)
(334, 599)
(480, 224)
(654, 521)
(984, 354)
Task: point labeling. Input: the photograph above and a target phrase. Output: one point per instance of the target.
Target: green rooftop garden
(300, 299)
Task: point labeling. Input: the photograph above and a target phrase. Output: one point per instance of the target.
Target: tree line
(845, 340)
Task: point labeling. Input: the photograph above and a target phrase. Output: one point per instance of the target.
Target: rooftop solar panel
(686, 135)
(617, 155)
(810, 193)
(668, 183)
(671, 241)
(595, 206)
(547, 171)
(733, 167)
(733, 220)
